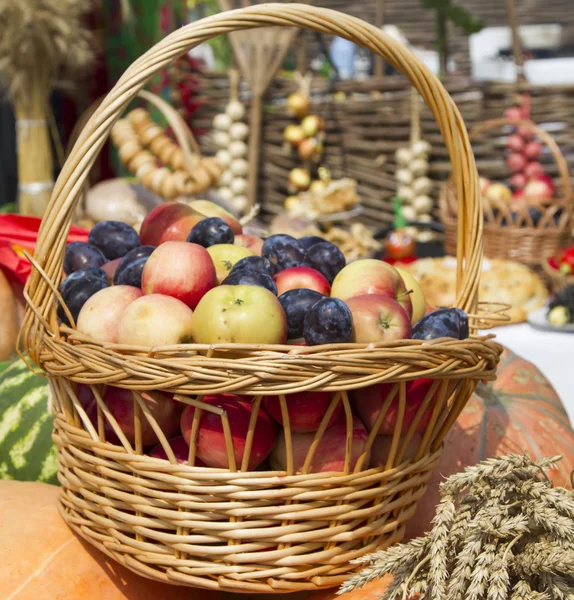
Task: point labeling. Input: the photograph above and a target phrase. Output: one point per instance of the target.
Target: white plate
(538, 319)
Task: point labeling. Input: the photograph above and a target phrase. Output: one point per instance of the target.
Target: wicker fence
(364, 131)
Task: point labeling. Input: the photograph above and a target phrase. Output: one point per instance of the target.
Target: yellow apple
(239, 314)
(205, 208)
(371, 276)
(417, 297)
(224, 257)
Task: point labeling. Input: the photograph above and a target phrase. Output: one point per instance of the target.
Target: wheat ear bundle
(502, 531)
(44, 45)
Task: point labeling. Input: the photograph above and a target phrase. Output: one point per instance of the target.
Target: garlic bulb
(423, 204)
(239, 167)
(421, 149)
(403, 156)
(411, 231)
(238, 149)
(221, 139)
(405, 193)
(235, 110)
(222, 122)
(225, 194)
(240, 203)
(425, 236)
(419, 167)
(226, 178)
(424, 218)
(409, 213)
(422, 186)
(239, 131)
(404, 176)
(238, 186)
(223, 158)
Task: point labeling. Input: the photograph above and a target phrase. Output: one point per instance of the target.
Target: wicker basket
(516, 238)
(229, 529)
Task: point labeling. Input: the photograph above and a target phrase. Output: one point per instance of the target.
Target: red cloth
(19, 233)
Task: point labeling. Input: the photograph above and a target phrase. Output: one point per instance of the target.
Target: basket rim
(260, 370)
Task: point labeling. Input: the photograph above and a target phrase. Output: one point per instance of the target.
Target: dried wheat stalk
(502, 531)
(44, 45)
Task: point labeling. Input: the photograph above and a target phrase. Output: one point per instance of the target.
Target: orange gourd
(519, 412)
(40, 557)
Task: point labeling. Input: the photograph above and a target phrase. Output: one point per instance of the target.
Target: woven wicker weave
(229, 529)
(518, 239)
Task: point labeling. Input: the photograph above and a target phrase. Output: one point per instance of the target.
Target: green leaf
(463, 19)
(457, 15)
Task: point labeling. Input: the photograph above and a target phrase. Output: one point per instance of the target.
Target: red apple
(378, 319)
(251, 242)
(101, 314)
(180, 449)
(369, 401)
(170, 221)
(224, 257)
(85, 395)
(181, 270)
(205, 208)
(155, 320)
(211, 447)
(164, 410)
(381, 449)
(370, 276)
(295, 278)
(240, 314)
(538, 189)
(331, 451)
(110, 268)
(306, 410)
(547, 179)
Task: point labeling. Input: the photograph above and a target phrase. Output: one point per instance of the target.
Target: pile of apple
(192, 276)
(528, 187)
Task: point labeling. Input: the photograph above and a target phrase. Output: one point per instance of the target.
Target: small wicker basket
(555, 278)
(516, 237)
(231, 529)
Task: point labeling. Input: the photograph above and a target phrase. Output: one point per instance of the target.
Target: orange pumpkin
(40, 557)
(519, 412)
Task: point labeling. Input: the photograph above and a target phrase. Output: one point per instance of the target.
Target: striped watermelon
(27, 452)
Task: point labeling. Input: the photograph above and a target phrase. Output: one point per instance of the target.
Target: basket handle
(41, 316)
(545, 137)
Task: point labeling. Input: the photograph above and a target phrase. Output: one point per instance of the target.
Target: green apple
(239, 314)
(224, 257)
